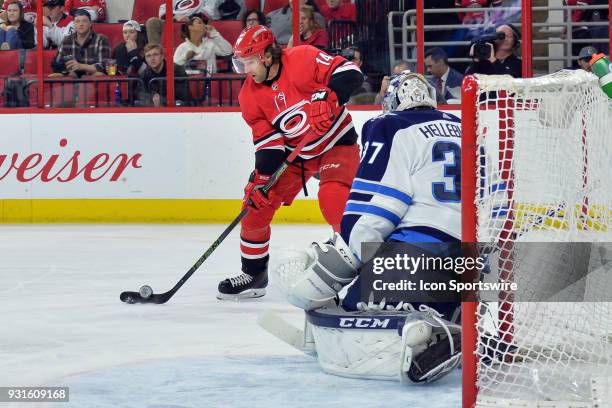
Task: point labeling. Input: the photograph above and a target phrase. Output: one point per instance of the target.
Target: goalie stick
(136, 297)
(286, 332)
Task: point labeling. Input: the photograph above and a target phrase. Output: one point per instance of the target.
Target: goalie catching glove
(324, 109)
(253, 193)
(324, 269)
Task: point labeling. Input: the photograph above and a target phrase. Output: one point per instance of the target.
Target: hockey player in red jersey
(289, 95)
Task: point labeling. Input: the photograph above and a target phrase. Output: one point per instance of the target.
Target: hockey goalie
(407, 189)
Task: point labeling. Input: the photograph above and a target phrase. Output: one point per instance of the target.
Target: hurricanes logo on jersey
(186, 5)
(292, 122)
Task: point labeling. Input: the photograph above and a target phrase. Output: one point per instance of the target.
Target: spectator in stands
(337, 10)
(475, 17)
(585, 55)
(230, 9)
(95, 8)
(253, 17)
(398, 68)
(202, 43)
(29, 10)
(446, 80)
(281, 21)
(130, 53)
(181, 13)
(56, 24)
(311, 33)
(82, 52)
(156, 68)
(579, 32)
(597, 32)
(16, 33)
(502, 59)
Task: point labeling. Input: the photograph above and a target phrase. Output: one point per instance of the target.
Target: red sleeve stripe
(266, 140)
(331, 144)
(346, 67)
(273, 147)
(267, 135)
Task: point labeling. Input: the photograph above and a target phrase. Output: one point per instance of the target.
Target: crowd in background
(72, 29)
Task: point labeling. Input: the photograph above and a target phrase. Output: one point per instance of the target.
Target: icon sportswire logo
(62, 169)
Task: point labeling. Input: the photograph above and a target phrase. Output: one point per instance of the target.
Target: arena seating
(9, 63)
(225, 92)
(251, 4)
(271, 5)
(30, 62)
(229, 29)
(114, 32)
(144, 9)
(9, 66)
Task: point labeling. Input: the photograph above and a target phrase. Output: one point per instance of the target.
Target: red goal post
(535, 162)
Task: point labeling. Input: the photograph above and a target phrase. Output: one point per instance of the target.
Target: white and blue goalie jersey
(409, 177)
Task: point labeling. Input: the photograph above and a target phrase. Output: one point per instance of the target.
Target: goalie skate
(243, 286)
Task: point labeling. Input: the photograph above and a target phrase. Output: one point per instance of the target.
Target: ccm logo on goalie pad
(364, 323)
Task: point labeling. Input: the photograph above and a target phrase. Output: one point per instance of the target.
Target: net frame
(506, 106)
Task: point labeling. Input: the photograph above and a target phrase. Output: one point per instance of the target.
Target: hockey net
(536, 162)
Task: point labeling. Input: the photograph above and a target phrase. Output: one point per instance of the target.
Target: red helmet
(253, 41)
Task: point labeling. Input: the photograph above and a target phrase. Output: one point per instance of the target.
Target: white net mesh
(543, 157)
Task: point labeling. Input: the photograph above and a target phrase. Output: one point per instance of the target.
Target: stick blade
(134, 297)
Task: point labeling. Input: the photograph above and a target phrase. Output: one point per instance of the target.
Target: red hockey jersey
(577, 14)
(29, 6)
(475, 17)
(75, 4)
(278, 114)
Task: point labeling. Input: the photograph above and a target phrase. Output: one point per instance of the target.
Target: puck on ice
(145, 291)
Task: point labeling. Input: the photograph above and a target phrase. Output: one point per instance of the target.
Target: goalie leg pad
(415, 347)
(357, 344)
(332, 267)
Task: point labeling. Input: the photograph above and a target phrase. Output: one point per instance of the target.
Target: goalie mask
(409, 90)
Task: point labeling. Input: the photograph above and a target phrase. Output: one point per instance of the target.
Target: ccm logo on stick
(363, 323)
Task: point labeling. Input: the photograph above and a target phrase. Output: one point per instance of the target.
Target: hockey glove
(324, 108)
(331, 267)
(253, 194)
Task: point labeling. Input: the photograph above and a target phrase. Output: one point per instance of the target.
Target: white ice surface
(61, 323)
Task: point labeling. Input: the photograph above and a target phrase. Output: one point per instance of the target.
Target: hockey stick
(286, 332)
(146, 295)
